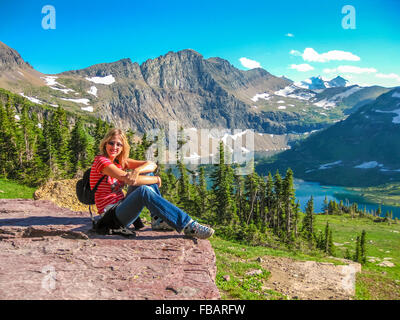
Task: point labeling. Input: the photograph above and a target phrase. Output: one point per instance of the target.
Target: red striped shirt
(110, 189)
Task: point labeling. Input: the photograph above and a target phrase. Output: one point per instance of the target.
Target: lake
(304, 190)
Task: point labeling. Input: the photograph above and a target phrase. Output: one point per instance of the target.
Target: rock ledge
(47, 252)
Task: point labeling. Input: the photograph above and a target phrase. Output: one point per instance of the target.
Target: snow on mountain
(396, 119)
(295, 92)
(264, 96)
(34, 100)
(317, 83)
(102, 80)
(93, 91)
(81, 100)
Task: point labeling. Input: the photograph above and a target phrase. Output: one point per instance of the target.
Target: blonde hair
(124, 155)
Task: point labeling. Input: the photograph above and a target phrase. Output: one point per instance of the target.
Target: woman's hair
(124, 155)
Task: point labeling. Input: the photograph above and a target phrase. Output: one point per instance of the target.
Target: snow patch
(93, 91)
(34, 100)
(102, 80)
(258, 96)
(396, 119)
(63, 90)
(368, 165)
(82, 100)
(282, 107)
(89, 108)
(289, 92)
(396, 95)
(329, 165)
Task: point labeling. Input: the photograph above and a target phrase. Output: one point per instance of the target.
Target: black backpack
(83, 191)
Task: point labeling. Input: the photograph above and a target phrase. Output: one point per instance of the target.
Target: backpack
(83, 191)
(107, 224)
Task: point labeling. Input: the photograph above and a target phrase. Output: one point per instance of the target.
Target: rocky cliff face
(9, 58)
(183, 87)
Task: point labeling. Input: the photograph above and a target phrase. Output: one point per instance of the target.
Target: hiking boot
(196, 230)
(159, 224)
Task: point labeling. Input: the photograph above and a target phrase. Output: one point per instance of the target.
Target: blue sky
(297, 39)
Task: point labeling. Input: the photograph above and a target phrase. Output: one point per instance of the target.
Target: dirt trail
(310, 280)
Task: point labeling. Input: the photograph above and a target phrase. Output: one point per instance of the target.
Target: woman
(113, 161)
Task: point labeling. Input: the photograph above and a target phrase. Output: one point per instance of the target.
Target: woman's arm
(141, 166)
(133, 178)
(113, 171)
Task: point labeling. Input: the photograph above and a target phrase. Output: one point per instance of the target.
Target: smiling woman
(122, 211)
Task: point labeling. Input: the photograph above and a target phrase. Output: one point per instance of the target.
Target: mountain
(13, 69)
(317, 83)
(195, 92)
(362, 150)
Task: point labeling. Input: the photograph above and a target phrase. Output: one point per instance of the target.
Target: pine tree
(59, 135)
(203, 193)
(363, 251)
(223, 177)
(308, 221)
(278, 215)
(288, 197)
(326, 205)
(80, 148)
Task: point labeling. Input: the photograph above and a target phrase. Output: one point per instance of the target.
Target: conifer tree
(203, 193)
(363, 251)
(288, 197)
(308, 221)
(80, 148)
(357, 255)
(326, 205)
(223, 177)
(278, 214)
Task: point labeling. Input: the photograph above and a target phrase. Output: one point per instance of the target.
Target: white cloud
(251, 64)
(302, 67)
(388, 76)
(310, 54)
(295, 53)
(291, 35)
(350, 69)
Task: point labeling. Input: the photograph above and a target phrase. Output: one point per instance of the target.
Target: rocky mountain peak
(10, 58)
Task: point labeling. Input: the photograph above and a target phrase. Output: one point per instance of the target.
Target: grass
(10, 190)
(375, 282)
(382, 241)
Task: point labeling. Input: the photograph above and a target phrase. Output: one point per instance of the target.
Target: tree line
(253, 208)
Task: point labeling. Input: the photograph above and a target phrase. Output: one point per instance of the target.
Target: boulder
(48, 252)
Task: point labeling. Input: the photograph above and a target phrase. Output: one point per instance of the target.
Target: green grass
(10, 190)
(382, 241)
(235, 259)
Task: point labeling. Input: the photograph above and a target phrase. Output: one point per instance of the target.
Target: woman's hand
(132, 177)
(159, 181)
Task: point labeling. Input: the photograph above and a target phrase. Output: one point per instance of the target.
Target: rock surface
(47, 252)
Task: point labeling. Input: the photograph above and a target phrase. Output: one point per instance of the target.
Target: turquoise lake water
(304, 190)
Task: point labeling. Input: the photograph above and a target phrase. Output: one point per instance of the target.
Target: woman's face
(114, 147)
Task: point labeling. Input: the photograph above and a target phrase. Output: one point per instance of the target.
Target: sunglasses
(112, 143)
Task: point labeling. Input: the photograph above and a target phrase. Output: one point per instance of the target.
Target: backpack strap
(94, 190)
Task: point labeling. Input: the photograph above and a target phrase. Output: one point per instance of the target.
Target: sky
(356, 39)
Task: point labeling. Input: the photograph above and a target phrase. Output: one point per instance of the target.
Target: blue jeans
(149, 195)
